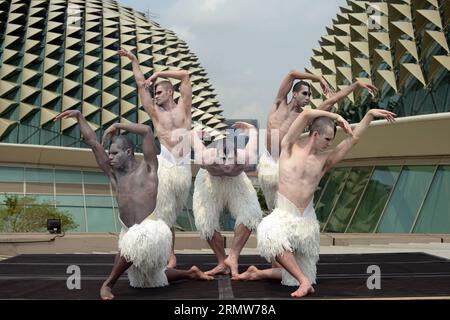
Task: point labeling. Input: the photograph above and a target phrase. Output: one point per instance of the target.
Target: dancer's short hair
(124, 142)
(299, 84)
(167, 85)
(320, 123)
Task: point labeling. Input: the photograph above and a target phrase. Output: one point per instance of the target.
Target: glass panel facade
(354, 187)
(78, 215)
(406, 199)
(184, 221)
(68, 176)
(39, 175)
(331, 193)
(46, 188)
(95, 177)
(320, 187)
(69, 201)
(50, 199)
(97, 189)
(435, 214)
(69, 188)
(374, 199)
(116, 220)
(98, 201)
(11, 187)
(227, 222)
(356, 203)
(11, 174)
(3, 197)
(100, 219)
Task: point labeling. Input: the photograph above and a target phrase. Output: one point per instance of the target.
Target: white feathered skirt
(268, 178)
(174, 183)
(212, 194)
(147, 245)
(285, 229)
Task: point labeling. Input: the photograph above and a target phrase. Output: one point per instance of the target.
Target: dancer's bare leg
(120, 266)
(216, 244)
(241, 235)
(172, 263)
(253, 273)
(193, 273)
(276, 265)
(287, 260)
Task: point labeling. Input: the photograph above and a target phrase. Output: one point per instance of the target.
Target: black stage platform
(343, 276)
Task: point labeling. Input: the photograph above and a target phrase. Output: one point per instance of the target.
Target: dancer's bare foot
(304, 289)
(196, 274)
(252, 273)
(221, 268)
(105, 293)
(172, 261)
(232, 263)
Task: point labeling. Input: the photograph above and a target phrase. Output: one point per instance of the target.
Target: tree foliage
(26, 214)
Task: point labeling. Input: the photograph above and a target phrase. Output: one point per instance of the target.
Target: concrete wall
(12, 244)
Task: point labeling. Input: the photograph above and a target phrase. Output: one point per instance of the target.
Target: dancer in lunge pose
(290, 234)
(145, 240)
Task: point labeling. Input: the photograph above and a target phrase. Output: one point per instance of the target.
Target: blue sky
(246, 46)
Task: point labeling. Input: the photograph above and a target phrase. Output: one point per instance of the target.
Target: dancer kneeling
(291, 233)
(223, 183)
(281, 116)
(145, 241)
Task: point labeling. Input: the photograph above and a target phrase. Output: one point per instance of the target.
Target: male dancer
(145, 240)
(172, 123)
(221, 182)
(291, 233)
(280, 117)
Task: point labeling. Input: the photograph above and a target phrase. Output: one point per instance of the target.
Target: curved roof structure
(400, 46)
(62, 54)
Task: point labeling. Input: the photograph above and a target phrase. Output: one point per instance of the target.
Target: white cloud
(215, 14)
(183, 32)
(211, 6)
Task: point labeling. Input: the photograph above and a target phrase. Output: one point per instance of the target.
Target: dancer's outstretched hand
(344, 125)
(68, 114)
(244, 126)
(372, 89)
(325, 87)
(125, 53)
(151, 81)
(111, 131)
(380, 113)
